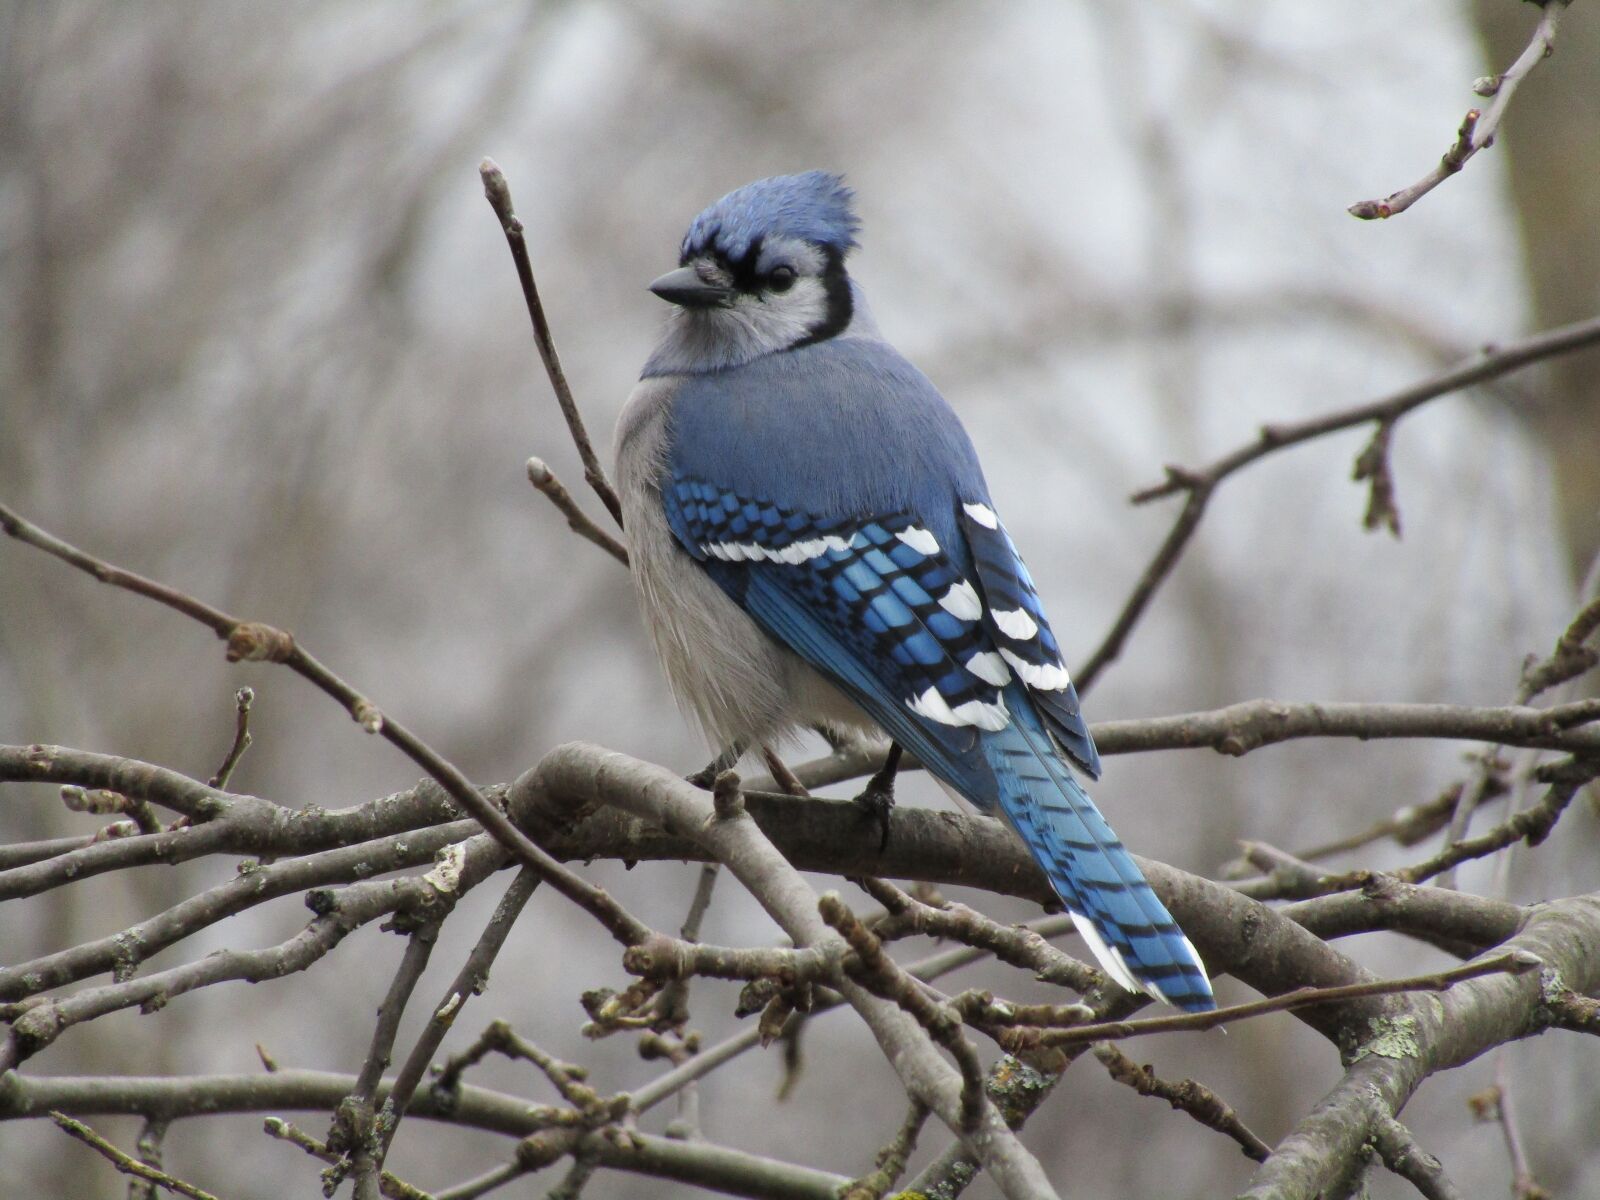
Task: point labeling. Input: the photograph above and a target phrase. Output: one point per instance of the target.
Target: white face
(778, 302)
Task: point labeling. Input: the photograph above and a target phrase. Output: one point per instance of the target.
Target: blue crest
(813, 206)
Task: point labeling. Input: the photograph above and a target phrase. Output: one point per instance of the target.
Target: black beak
(686, 288)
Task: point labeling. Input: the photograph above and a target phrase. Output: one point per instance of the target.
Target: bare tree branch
(338, 914)
(884, 977)
(122, 952)
(469, 981)
(891, 1160)
(125, 1163)
(1240, 728)
(252, 641)
(388, 1185)
(1199, 485)
(600, 777)
(242, 700)
(498, 192)
(1402, 1155)
(1478, 129)
(1199, 1101)
(1031, 1026)
(178, 1096)
(1321, 1156)
(357, 1134)
(543, 478)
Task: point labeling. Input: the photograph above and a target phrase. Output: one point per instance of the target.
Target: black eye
(780, 279)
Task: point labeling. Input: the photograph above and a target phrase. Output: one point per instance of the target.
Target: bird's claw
(877, 801)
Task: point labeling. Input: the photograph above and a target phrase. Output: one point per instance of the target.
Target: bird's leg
(707, 775)
(877, 798)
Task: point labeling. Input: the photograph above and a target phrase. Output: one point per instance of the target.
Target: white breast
(738, 683)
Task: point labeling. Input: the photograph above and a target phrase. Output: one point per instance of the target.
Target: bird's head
(763, 270)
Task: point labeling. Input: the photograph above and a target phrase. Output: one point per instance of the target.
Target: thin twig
(672, 1006)
(788, 782)
(357, 1131)
(498, 192)
(482, 1185)
(1512, 962)
(1017, 945)
(149, 1147)
(1199, 1101)
(499, 1038)
(543, 478)
(389, 1185)
(1407, 826)
(338, 913)
(1199, 485)
(470, 981)
(1567, 661)
(1572, 655)
(886, 978)
(890, 1163)
(242, 700)
(102, 801)
(1531, 824)
(927, 969)
(1523, 1184)
(1478, 128)
(125, 1163)
(1238, 729)
(1484, 778)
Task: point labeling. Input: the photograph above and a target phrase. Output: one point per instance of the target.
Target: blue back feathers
(845, 427)
(812, 207)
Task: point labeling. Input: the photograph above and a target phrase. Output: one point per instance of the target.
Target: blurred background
(262, 339)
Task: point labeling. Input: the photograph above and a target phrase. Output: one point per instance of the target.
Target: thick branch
(172, 1097)
(590, 775)
(228, 824)
(1320, 1156)
(1240, 728)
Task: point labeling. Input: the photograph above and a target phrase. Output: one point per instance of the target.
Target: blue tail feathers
(1130, 931)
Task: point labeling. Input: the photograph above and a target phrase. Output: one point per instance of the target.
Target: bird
(814, 546)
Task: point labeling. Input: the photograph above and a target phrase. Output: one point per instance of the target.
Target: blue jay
(814, 547)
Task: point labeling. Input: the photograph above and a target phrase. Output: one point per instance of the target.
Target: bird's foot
(877, 801)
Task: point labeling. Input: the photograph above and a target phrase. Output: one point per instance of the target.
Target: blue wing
(1016, 620)
(880, 606)
(873, 600)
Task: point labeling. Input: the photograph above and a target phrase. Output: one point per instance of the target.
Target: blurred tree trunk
(1551, 138)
